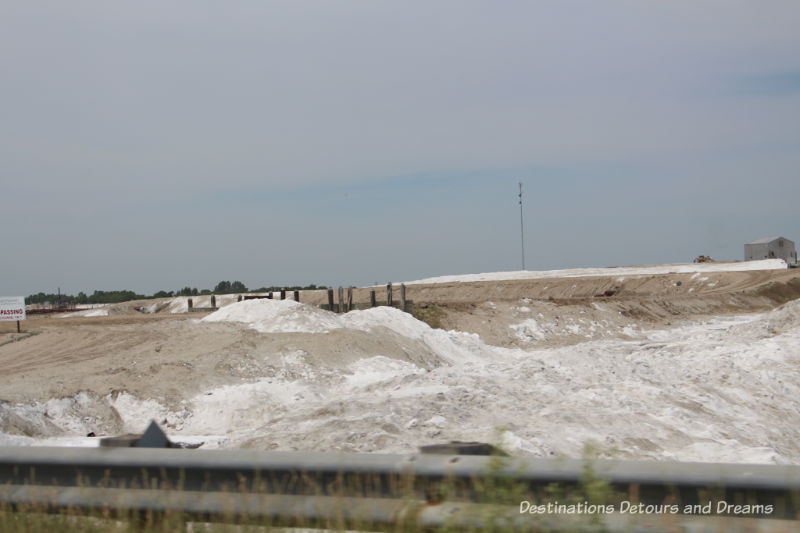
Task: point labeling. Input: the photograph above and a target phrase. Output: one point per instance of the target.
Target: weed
(20, 338)
(431, 314)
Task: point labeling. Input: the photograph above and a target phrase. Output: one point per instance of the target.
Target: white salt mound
(277, 316)
(87, 313)
(288, 316)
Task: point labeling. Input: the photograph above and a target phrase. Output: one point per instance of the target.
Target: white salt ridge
(288, 316)
(379, 369)
(86, 314)
(725, 451)
(179, 305)
(71, 441)
(451, 346)
(136, 413)
(679, 268)
(539, 330)
(277, 316)
(529, 329)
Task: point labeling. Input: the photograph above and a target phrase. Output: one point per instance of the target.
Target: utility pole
(521, 227)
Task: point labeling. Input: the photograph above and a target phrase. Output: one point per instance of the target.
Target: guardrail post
(372, 298)
(213, 302)
(341, 299)
(389, 294)
(296, 296)
(403, 296)
(330, 299)
(283, 294)
(349, 299)
(189, 302)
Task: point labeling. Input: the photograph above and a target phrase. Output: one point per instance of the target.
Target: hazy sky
(153, 145)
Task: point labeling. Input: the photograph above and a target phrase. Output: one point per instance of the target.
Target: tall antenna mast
(521, 227)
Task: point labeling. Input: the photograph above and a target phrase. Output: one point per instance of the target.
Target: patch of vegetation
(20, 338)
(431, 314)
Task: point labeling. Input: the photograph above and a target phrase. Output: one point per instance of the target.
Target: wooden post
(213, 302)
(283, 294)
(296, 296)
(269, 295)
(18, 324)
(349, 299)
(330, 299)
(403, 296)
(372, 298)
(190, 304)
(389, 294)
(239, 298)
(341, 299)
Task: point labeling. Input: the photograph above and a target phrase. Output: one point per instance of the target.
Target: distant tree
(238, 286)
(163, 294)
(223, 287)
(205, 291)
(99, 297)
(112, 297)
(54, 299)
(186, 291)
(38, 298)
(311, 287)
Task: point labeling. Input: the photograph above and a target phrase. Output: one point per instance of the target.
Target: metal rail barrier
(381, 490)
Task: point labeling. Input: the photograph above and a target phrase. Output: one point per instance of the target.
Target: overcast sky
(154, 145)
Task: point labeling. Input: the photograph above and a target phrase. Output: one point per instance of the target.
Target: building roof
(768, 240)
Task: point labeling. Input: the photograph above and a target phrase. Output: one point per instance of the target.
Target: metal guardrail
(383, 490)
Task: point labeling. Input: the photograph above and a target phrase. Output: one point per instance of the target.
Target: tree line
(110, 297)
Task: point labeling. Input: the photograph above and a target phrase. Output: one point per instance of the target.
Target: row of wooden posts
(239, 298)
(345, 303)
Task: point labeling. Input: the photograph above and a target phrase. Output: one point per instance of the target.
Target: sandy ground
(67, 376)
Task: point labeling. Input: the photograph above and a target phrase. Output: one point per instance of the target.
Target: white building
(771, 248)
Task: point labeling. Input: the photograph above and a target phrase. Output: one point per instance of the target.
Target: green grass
(431, 314)
(20, 338)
